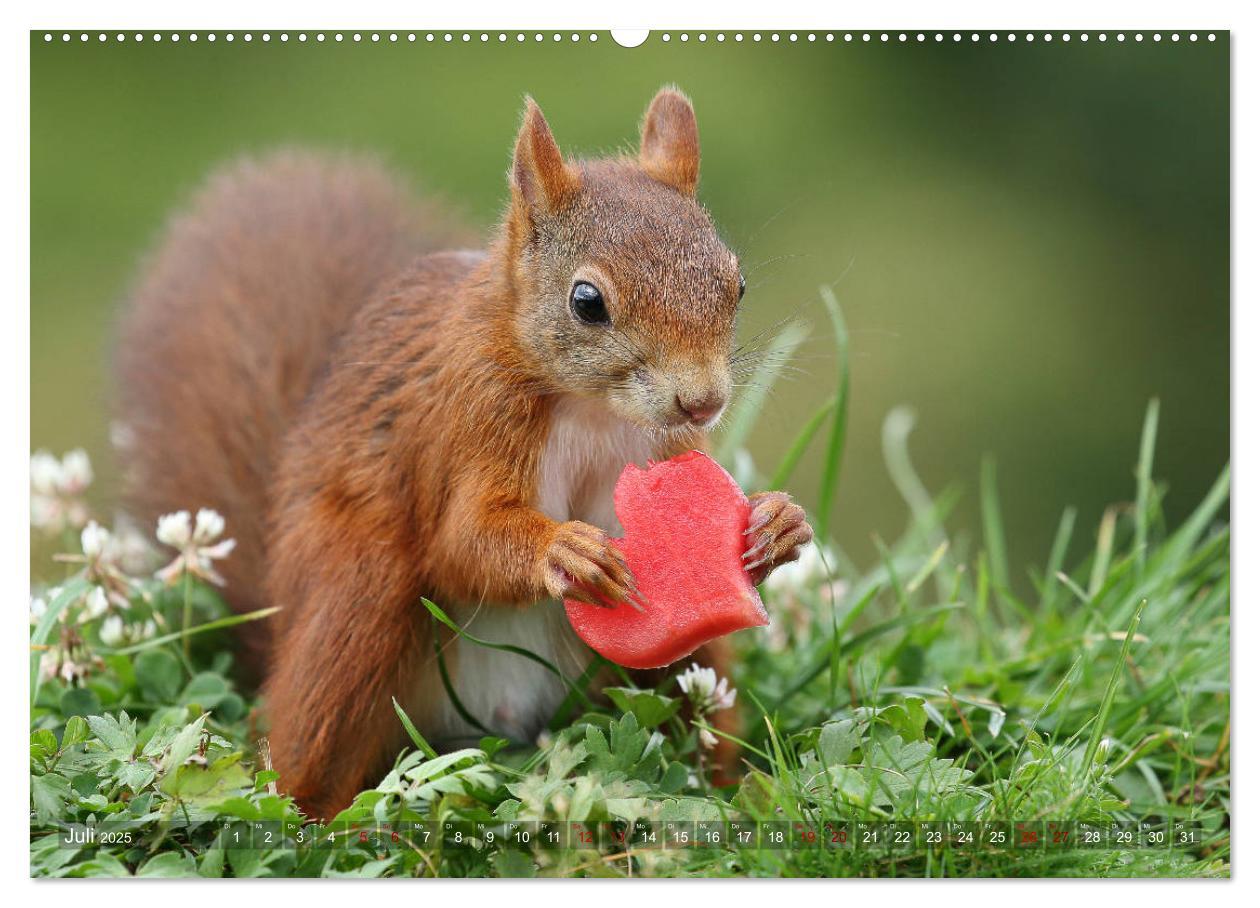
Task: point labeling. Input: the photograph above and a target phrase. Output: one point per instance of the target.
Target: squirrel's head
(624, 290)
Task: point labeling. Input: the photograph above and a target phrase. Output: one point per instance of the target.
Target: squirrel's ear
(670, 148)
(540, 178)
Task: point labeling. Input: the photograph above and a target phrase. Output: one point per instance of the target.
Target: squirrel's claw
(782, 530)
(581, 563)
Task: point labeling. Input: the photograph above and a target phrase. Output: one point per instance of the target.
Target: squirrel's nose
(701, 408)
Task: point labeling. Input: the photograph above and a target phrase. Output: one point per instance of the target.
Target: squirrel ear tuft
(540, 178)
(670, 148)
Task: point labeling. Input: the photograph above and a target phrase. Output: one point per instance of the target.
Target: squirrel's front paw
(582, 563)
(777, 529)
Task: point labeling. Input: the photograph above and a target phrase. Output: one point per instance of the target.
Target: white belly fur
(587, 448)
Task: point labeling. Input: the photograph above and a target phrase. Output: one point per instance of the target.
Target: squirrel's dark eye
(587, 304)
(742, 287)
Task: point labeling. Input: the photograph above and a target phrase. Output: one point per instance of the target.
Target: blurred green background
(1028, 240)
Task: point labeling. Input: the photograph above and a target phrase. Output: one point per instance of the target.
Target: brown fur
(280, 358)
(231, 325)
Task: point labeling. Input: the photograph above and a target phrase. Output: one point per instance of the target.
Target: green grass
(940, 683)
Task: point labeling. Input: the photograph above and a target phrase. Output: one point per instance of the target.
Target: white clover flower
(210, 525)
(94, 539)
(69, 670)
(99, 559)
(76, 472)
(197, 547)
(146, 631)
(46, 514)
(113, 631)
(45, 473)
(96, 604)
(697, 682)
(48, 663)
(707, 693)
(175, 529)
(57, 487)
(39, 607)
(723, 698)
(708, 740)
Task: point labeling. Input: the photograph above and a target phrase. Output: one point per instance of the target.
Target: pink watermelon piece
(684, 522)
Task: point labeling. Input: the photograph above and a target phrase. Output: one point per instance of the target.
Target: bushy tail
(231, 323)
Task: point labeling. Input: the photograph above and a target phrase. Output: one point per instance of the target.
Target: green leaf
(231, 708)
(211, 863)
(514, 865)
(838, 740)
(168, 865)
(491, 745)
(76, 732)
(674, 778)
(158, 675)
(625, 752)
(79, 701)
(121, 668)
(103, 864)
(238, 807)
(756, 795)
(183, 745)
(206, 785)
(116, 735)
(50, 793)
(894, 773)
(43, 745)
(206, 690)
(136, 774)
(649, 708)
(908, 718)
(86, 784)
(250, 862)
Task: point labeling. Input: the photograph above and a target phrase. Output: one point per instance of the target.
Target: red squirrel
(380, 421)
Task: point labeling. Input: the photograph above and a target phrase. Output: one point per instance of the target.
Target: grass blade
(1102, 554)
(895, 437)
(856, 641)
(445, 620)
(840, 417)
(1146, 462)
(1109, 694)
(1058, 551)
(412, 732)
(748, 407)
(70, 592)
(991, 516)
(449, 687)
(219, 624)
(783, 472)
